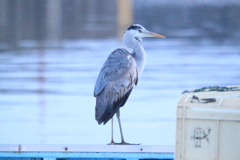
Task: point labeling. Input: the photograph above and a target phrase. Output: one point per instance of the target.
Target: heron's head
(137, 32)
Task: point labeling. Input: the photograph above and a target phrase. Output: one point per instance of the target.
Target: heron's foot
(123, 143)
(111, 143)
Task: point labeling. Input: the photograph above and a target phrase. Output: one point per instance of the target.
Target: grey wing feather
(116, 66)
(114, 84)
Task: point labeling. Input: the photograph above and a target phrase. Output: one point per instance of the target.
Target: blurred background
(51, 52)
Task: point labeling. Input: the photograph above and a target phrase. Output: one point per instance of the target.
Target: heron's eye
(140, 31)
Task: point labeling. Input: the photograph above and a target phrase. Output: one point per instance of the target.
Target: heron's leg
(112, 141)
(120, 126)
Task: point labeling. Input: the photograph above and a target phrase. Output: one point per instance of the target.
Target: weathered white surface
(208, 130)
(86, 151)
(86, 148)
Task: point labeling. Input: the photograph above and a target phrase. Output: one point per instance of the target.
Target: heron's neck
(140, 56)
(138, 50)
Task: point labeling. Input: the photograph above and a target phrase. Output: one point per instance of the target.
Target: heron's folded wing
(121, 68)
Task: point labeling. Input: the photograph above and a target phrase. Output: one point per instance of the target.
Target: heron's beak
(152, 34)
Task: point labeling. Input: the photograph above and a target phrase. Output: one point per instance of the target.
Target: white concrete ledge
(52, 152)
(86, 148)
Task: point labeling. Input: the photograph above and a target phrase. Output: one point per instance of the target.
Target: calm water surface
(46, 96)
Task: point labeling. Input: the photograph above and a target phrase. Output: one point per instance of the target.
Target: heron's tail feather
(105, 110)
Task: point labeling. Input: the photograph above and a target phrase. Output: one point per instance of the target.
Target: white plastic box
(208, 131)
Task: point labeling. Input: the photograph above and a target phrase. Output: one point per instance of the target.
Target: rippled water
(46, 95)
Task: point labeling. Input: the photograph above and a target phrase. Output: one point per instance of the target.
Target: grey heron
(119, 75)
